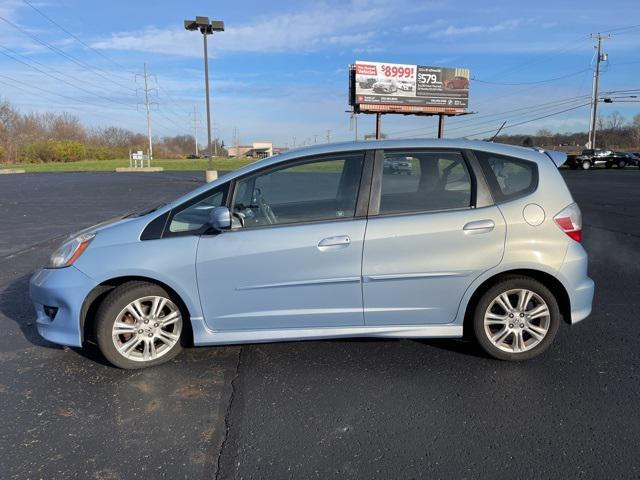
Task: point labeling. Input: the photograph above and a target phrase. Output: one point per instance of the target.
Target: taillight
(570, 221)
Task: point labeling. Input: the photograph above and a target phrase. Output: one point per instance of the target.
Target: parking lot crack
(227, 414)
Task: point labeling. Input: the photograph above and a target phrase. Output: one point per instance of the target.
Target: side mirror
(220, 219)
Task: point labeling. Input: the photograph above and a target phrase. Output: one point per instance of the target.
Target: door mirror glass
(220, 219)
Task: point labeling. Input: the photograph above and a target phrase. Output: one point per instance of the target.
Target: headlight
(69, 251)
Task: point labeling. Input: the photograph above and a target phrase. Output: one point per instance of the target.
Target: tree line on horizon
(61, 137)
(613, 132)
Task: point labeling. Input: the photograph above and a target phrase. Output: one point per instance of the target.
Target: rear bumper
(579, 286)
(64, 289)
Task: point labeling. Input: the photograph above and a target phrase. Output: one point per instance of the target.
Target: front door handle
(333, 243)
(479, 226)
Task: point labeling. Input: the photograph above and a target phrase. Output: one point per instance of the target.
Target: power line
(94, 70)
(533, 83)
(531, 120)
(24, 88)
(64, 81)
(21, 85)
(58, 72)
(78, 39)
(502, 114)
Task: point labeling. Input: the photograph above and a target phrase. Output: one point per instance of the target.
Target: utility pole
(315, 139)
(195, 128)
(353, 124)
(600, 57)
(146, 106)
(236, 141)
(378, 125)
(328, 136)
(294, 141)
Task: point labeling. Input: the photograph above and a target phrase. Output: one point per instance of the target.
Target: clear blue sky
(280, 69)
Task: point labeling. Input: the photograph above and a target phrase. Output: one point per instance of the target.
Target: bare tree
(615, 121)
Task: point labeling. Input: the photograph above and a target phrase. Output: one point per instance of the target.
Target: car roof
(324, 148)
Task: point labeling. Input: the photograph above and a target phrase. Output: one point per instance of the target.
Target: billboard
(394, 87)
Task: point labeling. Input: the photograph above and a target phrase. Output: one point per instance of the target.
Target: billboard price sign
(393, 87)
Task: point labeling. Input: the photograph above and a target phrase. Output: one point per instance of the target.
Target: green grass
(224, 164)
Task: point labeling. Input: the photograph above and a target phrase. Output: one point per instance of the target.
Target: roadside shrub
(105, 153)
(44, 151)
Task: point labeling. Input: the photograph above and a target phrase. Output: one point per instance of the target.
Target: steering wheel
(264, 207)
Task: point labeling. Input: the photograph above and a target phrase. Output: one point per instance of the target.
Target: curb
(9, 171)
(141, 169)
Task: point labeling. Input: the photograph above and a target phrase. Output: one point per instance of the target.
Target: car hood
(102, 225)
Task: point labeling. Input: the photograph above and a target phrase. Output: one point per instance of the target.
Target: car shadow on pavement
(465, 347)
(454, 345)
(15, 305)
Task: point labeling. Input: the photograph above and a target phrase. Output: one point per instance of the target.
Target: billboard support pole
(441, 125)
(378, 125)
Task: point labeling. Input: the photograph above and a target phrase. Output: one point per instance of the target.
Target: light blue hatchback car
(326, 242)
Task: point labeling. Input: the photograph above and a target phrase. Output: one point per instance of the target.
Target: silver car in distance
(325, 242)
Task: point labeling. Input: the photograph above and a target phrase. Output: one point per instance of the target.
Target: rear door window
(416, 181)
(508, 177)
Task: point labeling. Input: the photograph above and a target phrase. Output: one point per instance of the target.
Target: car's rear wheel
(516, 319)
(139, 325)
(622, 164)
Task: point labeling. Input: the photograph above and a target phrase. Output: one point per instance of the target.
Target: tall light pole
(206, 27)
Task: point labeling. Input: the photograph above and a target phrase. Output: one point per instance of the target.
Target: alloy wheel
(147, 328)
(517, 320)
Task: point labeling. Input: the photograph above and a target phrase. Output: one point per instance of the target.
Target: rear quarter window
(508, 177)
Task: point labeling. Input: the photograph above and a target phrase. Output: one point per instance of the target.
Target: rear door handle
(333, 243)
(479, 226)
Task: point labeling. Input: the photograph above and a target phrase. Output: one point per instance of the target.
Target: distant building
(255, 150)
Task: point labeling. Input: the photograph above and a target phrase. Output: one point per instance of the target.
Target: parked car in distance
(324, 242)
(621, 160)
(589, 158)
(385, 87)
(457, 83)
(398, 166)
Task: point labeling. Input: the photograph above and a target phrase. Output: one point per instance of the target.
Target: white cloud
(455, 31)
(295, 32)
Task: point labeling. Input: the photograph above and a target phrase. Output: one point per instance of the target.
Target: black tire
(108, 312)
(622, 164)
(504, 285)
(586, 165)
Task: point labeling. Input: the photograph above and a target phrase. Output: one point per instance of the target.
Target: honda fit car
(479, 238)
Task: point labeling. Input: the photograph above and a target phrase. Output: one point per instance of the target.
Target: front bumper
(579, 286)
(64, 289)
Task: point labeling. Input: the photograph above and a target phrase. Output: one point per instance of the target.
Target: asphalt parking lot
(320, 409)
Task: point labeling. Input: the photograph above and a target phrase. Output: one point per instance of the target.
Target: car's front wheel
(139, 325)
(516, 319)
(586, 165)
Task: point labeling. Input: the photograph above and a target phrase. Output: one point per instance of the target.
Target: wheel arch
(98, 294)
(548, 280)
